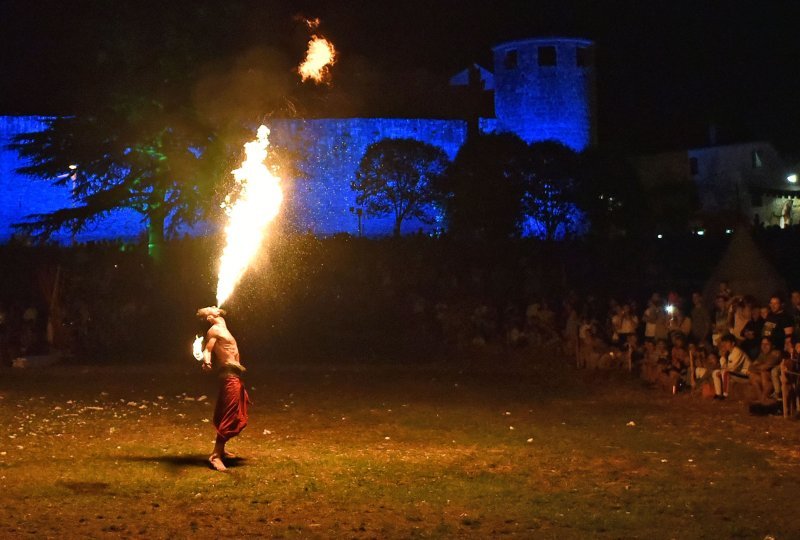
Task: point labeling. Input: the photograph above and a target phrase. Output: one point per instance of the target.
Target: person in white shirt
(734, 365)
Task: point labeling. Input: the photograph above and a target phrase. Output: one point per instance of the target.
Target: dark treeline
(309, 299)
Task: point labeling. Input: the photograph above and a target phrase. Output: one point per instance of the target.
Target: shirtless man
(230, 412)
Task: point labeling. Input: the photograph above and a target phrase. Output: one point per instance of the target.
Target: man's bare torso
(225, 348)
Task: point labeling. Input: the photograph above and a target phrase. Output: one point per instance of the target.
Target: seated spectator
(633, 352)
(675, 374)
(649, 366)
(790, 378)
(706, 361)
(751, 333)
(760, 372)
(733, 367)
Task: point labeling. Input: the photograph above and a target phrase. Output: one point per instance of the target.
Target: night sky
(666, 70)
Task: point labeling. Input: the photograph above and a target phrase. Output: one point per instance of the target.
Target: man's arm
(210, 342)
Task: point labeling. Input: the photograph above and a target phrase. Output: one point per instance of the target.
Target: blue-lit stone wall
(552, 101)
(330, 151)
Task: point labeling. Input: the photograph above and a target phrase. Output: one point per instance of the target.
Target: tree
(482, 189)
(395, 177)
(132, 154)
(550, 191)
(162, 106)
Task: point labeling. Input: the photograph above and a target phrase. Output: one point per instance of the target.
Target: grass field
(387, 452)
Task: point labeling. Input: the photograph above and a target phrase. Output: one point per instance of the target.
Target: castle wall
(536, 102)
(330, 151)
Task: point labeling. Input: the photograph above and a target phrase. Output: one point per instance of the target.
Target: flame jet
(257, 203)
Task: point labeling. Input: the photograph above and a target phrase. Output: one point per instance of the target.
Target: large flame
(319, 57)
(257, 203)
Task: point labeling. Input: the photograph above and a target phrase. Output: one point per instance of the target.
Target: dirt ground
(440, 451)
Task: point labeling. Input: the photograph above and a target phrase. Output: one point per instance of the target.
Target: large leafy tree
(550, 193)
(133, 155)
(160, 116)
(483, 187)
(395, 178)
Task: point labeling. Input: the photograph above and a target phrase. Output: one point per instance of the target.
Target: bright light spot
(728, 231)
(659, 236)
(258, 202)
(670, 309)
(197, 348)
(701, 232)
(73, 167)
(792, 178)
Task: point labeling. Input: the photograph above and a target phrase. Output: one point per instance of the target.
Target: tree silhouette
(395, 177)
(482, 189)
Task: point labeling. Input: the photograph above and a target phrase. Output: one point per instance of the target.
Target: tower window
(693, 165)
(510, 61)
(757, 162)
(583, 57)
(547, 55)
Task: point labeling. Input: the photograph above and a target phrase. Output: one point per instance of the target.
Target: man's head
(697, 299)
(210, 313)
(796, 298)
(727, 343)
(766, 346)
(775, 304)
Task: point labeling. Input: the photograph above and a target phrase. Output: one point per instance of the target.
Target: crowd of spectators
(371, 299)
(712, 348)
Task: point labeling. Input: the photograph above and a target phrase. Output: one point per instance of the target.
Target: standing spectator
(677, 323)
(655, 318)
(720, 318)
(624, 323)
(741, 308)
(778, 325)
(733, 366)
(701, 320)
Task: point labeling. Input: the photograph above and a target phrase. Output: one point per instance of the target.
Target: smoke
(243, 91)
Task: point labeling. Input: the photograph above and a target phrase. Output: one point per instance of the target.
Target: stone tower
(545, 89)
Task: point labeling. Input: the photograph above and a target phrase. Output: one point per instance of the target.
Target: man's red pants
(230, 412)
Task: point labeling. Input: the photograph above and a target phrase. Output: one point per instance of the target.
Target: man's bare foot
(216, 463)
